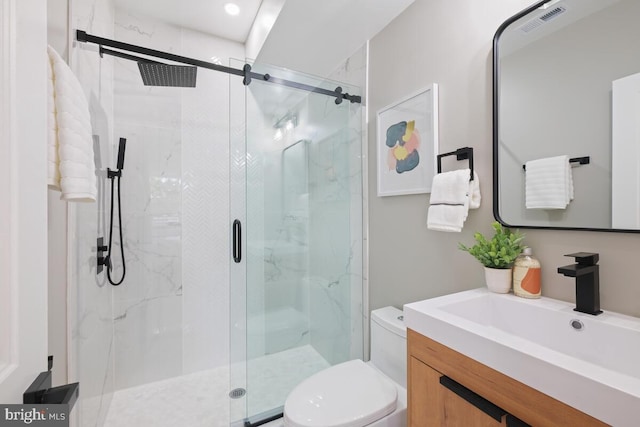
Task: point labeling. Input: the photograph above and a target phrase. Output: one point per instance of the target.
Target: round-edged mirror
(566, 131)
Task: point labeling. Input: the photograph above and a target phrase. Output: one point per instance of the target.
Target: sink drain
(237, 393)
(577, 324)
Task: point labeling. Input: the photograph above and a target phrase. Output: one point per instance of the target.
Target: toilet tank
(389, 343)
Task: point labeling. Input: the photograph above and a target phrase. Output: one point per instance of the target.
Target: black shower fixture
(159, 74)
(156, 73)
(121, 147)
(107, 261)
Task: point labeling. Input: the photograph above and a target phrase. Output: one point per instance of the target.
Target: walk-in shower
(243, 229)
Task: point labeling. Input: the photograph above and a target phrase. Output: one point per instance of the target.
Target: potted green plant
(497, 255)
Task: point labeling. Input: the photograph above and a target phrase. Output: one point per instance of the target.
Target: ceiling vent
(543, 19)
(553, 13)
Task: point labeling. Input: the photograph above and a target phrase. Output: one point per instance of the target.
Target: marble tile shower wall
(170, 316)
(205, 201)
(286, 248)
(91, 346)
(176, 211)
(305, 207)
(148, 305)
(260, 262)
(336, 223)
(353, 71)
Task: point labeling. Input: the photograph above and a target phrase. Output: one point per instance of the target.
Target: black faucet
(586, 272)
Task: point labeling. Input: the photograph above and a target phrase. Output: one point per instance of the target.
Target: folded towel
(446, 218)
(450, 188)
(452, 194)
(548, 183)
(71, 164)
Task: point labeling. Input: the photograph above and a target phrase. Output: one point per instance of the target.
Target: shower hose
(113, 175)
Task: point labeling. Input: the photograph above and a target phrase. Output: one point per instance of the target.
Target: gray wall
(449, 42)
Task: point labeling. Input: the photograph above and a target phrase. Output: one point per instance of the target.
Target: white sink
(595, 369)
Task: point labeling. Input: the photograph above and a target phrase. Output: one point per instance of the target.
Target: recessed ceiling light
(232, 9)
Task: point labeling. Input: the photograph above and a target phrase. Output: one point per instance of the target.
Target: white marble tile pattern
(200, 399)
(336, 230)
(176, 211)
(91, 347)
(206, 252)
(148, 304)
(354, 72)
(272, 377)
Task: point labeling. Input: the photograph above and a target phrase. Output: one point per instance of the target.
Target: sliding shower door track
(245, 72)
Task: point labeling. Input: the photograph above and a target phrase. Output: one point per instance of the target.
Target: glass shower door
(296, 284)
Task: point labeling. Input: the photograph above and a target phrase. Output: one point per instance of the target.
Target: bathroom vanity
(446, 388)
(483, 359)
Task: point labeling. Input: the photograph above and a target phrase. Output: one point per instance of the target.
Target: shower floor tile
(198, 399)
(201, 399)
(272, 377)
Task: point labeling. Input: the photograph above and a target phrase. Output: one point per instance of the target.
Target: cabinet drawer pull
(515, 422)
(476, 400)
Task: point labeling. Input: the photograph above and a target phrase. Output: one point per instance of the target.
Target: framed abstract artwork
(407, 144)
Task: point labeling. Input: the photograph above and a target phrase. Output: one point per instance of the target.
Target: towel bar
(579, 160)
(461, 154)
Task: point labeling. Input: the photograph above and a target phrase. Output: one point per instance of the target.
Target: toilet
(355, 393)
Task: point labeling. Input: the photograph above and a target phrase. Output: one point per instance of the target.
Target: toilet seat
(351, 394)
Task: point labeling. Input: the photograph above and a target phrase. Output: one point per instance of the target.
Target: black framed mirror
(566, 103)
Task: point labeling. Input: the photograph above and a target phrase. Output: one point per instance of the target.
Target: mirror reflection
(567, 88)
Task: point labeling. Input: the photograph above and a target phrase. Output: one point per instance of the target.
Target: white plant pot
(498, 279)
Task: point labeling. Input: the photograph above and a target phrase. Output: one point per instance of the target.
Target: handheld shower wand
(112, 175)
(121, 147)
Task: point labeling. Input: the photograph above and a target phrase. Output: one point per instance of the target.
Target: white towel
(474, 192)
(71, 165)
(452, 195)
(548, 183)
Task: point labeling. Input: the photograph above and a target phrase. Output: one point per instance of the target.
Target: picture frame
(407, 144)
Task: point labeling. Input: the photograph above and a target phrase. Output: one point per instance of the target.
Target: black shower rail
(245, 72)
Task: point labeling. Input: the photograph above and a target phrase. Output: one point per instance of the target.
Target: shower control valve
(100, 258)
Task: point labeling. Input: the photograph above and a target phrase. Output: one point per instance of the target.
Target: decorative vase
(498, 279)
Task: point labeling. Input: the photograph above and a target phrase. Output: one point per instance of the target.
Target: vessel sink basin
(589, 362)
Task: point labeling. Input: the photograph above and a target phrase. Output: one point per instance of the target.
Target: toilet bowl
(355, 393)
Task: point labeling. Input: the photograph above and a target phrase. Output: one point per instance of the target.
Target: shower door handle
(237, 241)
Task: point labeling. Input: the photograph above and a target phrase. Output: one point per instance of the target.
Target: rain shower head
(159, 74)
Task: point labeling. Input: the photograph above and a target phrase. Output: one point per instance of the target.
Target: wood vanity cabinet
(446, 388)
